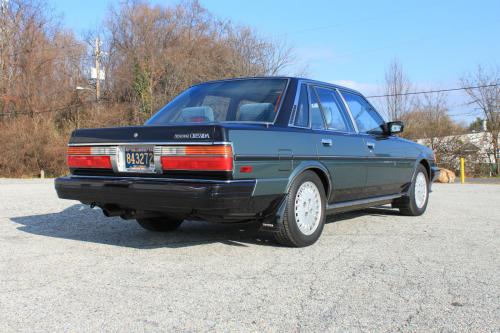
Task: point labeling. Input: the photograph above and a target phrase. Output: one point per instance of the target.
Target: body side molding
(363, 203)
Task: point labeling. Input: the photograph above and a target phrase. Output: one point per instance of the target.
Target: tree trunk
(495, 152)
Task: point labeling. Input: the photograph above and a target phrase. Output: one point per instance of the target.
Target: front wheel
(159, 224)
(304, 215)
(415, 203)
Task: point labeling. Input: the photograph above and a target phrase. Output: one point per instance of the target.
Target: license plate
(139, 159)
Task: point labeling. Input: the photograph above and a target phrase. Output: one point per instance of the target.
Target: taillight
(196, 158)
(90, 157)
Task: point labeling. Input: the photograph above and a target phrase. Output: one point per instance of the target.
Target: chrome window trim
(340, 90)
(159, 143)
(311, 89)
(354, 124)
(308, 83)
(366, 100)
(282, 99)
(296, 106)
(338, 132)
(293, 115)
(335, 90)
(326, 84)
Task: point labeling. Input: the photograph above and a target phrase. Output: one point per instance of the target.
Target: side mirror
(394, 127)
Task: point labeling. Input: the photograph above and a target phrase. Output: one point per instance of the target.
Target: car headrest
(197, 114)
(256, 112)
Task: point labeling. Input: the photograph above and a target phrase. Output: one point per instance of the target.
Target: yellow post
(462, 170)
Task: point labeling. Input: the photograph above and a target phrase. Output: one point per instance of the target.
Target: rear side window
(317, 121)
(366, 118)
(335, 117)
(302, 114)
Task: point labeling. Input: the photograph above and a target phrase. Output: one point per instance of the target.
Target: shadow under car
(79, 222)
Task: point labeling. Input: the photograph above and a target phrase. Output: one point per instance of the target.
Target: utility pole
(97, 55)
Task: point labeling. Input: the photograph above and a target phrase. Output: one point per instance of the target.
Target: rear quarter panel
(269, 152)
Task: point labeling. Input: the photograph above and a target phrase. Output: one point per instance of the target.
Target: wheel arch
(426, 165)
(319, 169)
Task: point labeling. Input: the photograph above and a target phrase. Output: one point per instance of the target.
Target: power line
(469, 113)
(435, 91)
(71, 46)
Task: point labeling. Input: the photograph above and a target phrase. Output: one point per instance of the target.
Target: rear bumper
(216, 200)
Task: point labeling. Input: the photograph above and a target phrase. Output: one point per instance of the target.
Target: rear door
(339, 147)
(390, 164)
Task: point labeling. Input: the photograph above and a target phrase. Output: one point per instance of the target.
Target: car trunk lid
(149, 134)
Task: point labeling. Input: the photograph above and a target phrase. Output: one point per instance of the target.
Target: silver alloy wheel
(308, 208)
(420, 190)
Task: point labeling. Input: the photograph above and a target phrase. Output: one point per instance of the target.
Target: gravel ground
(64, 267)
(490, 180)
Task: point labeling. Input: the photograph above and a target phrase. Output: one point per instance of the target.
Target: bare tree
(429, 120)
(39, 61)
(156, 51)
(397, 85)
(433, 120)
(487, 99)
(152, 52)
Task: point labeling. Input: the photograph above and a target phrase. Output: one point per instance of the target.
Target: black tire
(159, 224)
(289, 233)
(408, 205)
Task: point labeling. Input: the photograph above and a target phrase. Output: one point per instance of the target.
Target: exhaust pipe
(126, 214)
(112, 211)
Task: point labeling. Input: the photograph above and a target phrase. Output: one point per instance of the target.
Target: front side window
(248, 100)
(366, 118)
(335, 117)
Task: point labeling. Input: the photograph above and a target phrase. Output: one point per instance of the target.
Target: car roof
(292, 78)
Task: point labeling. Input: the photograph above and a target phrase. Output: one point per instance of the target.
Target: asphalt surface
(64, 267)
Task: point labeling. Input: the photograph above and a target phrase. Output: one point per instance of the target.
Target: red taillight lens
(207, 163)
(90, 157)
(197, 158)
(82, 161)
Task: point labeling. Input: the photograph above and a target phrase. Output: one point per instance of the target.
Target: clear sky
(352, 42)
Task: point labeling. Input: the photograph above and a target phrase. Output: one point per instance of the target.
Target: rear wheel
(304, 216)
(159, 224)
(415, 203)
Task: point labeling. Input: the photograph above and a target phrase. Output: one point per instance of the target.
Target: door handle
(326, 142)
(370, 145)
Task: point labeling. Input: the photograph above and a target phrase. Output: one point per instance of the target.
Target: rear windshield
(252, 100)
